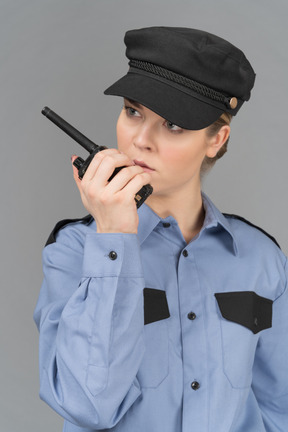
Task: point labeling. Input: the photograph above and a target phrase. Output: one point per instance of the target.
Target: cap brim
(179, 106)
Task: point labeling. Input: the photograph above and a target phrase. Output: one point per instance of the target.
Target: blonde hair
(213, 129)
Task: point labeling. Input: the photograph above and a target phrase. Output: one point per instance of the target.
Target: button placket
(193, 364)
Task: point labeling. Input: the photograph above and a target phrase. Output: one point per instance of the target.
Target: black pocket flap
(246, 308)
(155, 305)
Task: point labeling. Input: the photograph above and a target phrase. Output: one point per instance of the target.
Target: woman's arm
(90, 319)
(270, 372)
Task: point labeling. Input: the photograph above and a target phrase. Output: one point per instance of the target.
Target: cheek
(171, 156)
(182, 160)
(122, 136)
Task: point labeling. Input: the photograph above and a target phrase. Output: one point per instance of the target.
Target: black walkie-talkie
(92, 148)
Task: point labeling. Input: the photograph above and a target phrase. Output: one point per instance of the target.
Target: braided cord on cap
(182, 80)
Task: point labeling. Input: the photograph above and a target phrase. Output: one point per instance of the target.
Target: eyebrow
(136, 104)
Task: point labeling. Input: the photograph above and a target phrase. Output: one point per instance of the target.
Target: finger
(123, 177)
(136, 183)
(107, 166)
(94, 164)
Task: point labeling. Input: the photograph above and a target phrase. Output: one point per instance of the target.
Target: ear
(216, 141)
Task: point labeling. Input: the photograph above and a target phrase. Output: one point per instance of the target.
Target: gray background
(64, 53)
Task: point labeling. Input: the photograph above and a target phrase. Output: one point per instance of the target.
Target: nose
(143, 139)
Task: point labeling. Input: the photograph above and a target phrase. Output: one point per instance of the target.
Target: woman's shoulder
(245, 226)
(71, 231)
(249, 238)
(255, 244)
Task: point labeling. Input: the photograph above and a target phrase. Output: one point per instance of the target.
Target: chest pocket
(245, 315)
(155, 364)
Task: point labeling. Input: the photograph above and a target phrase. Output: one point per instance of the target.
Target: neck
(187, 209)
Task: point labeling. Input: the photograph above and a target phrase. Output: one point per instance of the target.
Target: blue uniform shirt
(146, 333)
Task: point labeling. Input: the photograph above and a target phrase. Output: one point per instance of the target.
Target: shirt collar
(148, 220)
(213, 218)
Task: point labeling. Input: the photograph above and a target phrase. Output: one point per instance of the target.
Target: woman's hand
(111, 203)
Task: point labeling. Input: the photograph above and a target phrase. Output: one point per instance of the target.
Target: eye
(172, 127)
(131, 112)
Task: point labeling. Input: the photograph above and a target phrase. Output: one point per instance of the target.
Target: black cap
(187, 76)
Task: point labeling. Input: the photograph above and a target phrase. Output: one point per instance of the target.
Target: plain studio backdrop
(63, 54)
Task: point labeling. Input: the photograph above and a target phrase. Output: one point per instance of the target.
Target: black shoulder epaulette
(251, 224)
(52, 237)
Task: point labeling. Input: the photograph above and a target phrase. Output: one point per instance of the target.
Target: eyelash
(130, 112)
(173, 131)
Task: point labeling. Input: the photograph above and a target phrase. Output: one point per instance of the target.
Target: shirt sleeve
(270, 372)
(90, 318)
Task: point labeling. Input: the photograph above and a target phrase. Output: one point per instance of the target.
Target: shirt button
(191, 316)
(113, 255)
(185, 253)
(195, 385)
(166, 224)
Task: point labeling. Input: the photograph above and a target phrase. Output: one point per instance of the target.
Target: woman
(161, 319)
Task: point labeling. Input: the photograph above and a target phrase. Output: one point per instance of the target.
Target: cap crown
(195, 54)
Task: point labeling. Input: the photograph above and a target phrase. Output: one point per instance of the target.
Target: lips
(143, 165)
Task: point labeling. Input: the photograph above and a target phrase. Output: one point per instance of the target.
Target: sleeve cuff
(112, 254)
